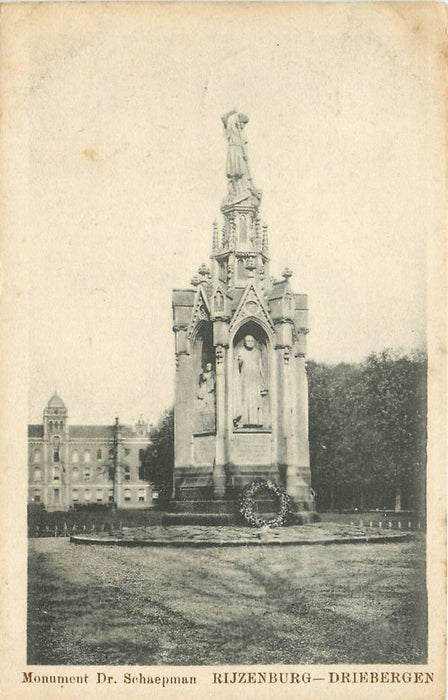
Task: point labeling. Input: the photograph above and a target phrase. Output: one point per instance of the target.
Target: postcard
(223, 424)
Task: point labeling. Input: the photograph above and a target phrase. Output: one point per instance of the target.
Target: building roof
(95, 432)
(56, 402)
(92, 431)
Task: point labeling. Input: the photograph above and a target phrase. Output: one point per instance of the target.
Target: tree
(396, 406)
(159, 457)
(367, 431)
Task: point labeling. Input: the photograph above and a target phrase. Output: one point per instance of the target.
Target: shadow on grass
(106, 605)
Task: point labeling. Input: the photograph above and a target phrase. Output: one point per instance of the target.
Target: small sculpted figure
(206, 393)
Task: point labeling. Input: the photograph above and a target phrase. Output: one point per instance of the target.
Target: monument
(241, 394)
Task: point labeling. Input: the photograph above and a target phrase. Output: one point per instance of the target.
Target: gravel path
(201, 535)
(118, 605)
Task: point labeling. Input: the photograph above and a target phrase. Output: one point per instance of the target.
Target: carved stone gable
(251, 305)
(201, 312)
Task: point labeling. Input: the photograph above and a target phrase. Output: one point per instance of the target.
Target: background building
(71, 465)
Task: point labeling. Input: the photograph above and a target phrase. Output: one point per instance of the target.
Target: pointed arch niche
(203, 389)
(252, 378)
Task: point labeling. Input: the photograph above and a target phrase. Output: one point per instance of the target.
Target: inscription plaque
(203, 450)
(251, 448)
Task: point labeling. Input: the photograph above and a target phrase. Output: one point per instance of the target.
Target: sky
(126, 175)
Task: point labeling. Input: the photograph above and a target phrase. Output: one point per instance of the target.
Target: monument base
(226, 512)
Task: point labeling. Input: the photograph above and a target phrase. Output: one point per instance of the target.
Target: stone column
(301, 422)
(219, 475)
(273, 399)
(66, 475)
(117, 466)
(293, 486)
(183, 410)
(44, 467)
(279, 412)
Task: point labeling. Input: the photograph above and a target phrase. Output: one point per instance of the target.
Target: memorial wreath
(247, 504)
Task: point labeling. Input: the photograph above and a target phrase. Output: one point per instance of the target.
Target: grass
(293, 605)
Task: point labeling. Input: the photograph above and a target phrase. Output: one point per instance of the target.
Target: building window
(111, 473)
(37, 474)
(36, 497)
(111, 496)
(87, 495)
(50, 426)
(111, 453)
(99, 495)
(75, 457)
(75, 495)
(56, 496)
(127, 474)
(127, 494)
(141, 469)
(75, 473)
(56, 444)
(99, 454)
(56, 474)
(141, 494)
(242, 272)
(86, 456)
(127, 451)
(219, 301)
(37, 455)
(222, 272)
(243, 229)
(87, 474)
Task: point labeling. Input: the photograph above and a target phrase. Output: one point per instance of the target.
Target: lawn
(362, 603)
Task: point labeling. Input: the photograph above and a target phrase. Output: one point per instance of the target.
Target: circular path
(232, 536)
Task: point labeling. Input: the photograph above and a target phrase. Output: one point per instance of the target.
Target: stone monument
(241, 394)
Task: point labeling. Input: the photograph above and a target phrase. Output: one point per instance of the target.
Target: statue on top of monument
(237, 166)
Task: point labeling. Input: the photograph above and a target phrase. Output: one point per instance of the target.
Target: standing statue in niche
(251, 385)
(207, 384)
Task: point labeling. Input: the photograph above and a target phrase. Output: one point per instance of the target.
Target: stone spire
(242, 247)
